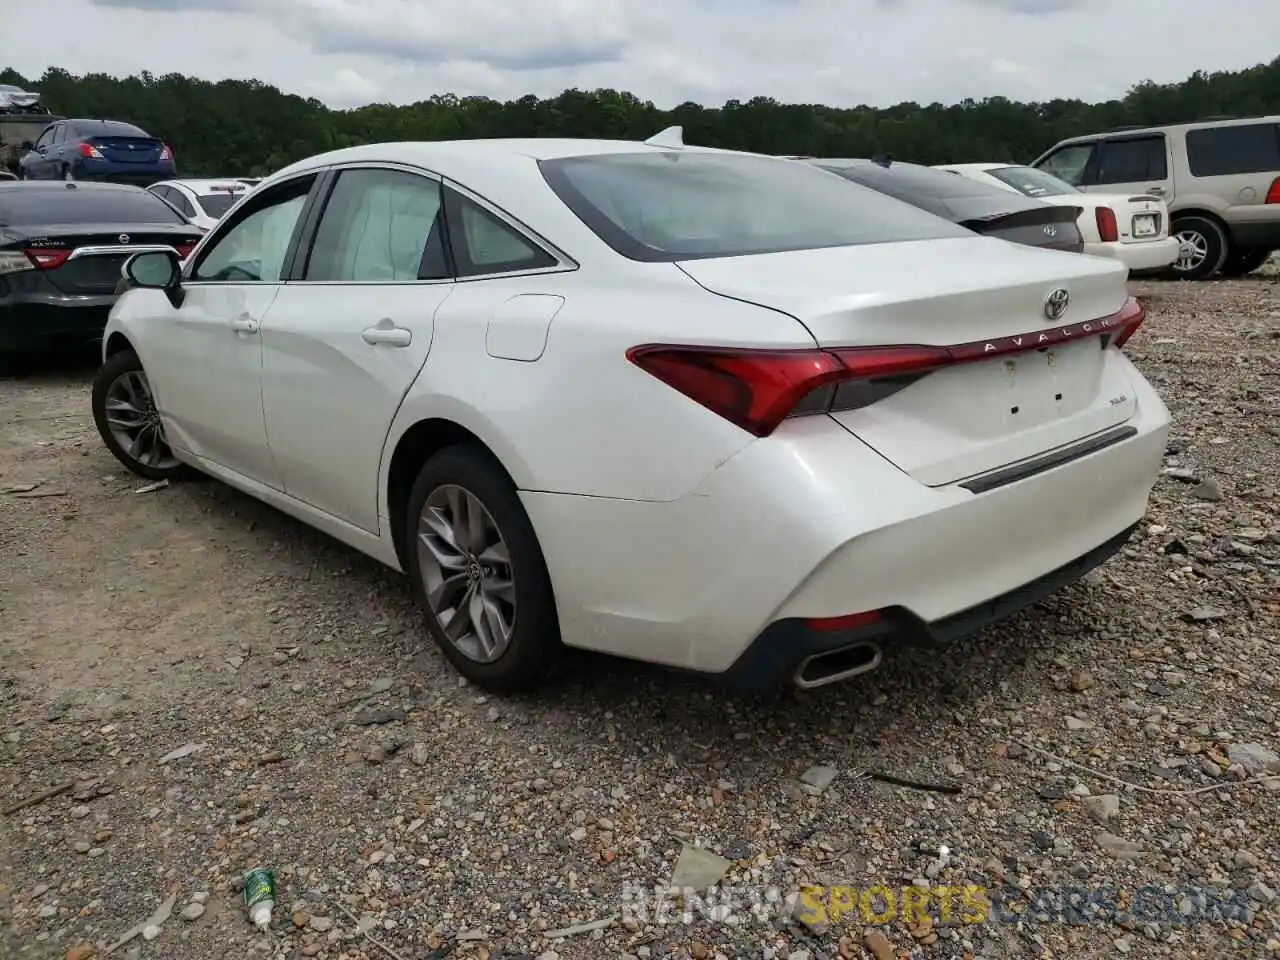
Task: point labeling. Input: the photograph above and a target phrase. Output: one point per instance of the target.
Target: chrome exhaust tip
(825, 668)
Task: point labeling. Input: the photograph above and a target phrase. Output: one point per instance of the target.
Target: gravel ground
(1113, 739)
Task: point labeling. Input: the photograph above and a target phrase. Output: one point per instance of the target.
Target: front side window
(379, 226)
(1032, 182)
(1069, 163)
(680, 205)
(46, 138)
(252, 249)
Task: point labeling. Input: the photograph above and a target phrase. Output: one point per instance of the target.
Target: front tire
(124, 411)
(1209, 243)
(1244, 260)
(478, 572)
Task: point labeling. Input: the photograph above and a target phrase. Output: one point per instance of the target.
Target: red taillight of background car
(165, 152)
(90, 152)
(1108, 230)
(1273, 192)
(47, 258)
(758, 389)
(184, 249)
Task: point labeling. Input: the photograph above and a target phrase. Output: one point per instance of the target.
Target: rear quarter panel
(582, 419)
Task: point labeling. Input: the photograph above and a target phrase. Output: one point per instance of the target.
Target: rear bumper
(811, 523)
(776, 654)
(27, 326)
(1138, 257)
(142, 175)
(1256, 233)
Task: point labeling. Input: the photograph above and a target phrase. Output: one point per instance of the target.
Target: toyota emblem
(1055, 304)
(123, 238)
(1050, 231)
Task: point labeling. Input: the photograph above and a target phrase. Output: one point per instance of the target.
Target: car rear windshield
(676, 205)
(216, 204)
(109, 128)
(20, 206)
(1032, 182)
(912, 180)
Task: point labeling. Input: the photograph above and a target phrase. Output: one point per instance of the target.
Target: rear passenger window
(379, 226)
(483, 244)
(1132, 159)
(1219, 151)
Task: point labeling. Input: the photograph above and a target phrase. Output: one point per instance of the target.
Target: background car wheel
(1244, 260)
(1209, 247)
(124, 411)
(67, 174)
(479, 573)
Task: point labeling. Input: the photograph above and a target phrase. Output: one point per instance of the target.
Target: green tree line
(246, 127)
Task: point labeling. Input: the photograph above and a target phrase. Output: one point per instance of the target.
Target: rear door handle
(244, 324)
(1155, 189)
(386, 332)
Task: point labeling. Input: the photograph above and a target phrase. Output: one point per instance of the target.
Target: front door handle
(244, 324)
(386, 332)
(1156, 190)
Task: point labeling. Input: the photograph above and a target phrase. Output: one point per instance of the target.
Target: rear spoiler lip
(1026, 218)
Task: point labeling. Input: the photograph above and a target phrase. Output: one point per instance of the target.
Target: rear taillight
(47, 258)
(184, 250)
(89, 151)
(1273, 192)
(165, 152)
(758, 389)
(1128, 320)
(1108, 231)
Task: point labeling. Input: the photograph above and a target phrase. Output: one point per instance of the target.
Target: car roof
(206, 185)
(980, 167)
(52, 186)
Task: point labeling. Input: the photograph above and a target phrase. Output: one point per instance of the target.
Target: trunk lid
(962, 421)
(1140, 218)
(128, 149)
(1044, 225)
(95, 254)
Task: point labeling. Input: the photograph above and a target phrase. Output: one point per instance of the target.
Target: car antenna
(672, 137)
(882, 159)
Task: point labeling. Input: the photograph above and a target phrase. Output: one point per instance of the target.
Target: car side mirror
(156, 270)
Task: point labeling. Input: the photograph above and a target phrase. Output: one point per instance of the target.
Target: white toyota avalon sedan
(708, 409)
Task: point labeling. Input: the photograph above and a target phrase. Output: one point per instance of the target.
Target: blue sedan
(107, 150)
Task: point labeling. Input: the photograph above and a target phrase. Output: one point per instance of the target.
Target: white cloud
(839, 52)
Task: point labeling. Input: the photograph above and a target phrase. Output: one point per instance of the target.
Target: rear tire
(1243, 260)
(1210, 242)
(68, 175)
(478, 572)
(125, 415)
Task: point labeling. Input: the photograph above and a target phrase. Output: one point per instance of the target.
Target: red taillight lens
(47, 258)
(165, 152)
(90, 151)
(184, 250)
(758, 389)
(1273, 192)
(1108, 231)
(1129, 319)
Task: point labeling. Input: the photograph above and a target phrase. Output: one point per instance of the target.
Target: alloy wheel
(135, 422)
(1193, 252)
(466, 568)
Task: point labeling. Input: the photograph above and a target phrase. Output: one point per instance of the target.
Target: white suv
(1220, 178)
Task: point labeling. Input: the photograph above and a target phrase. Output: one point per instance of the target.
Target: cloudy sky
(839, 52)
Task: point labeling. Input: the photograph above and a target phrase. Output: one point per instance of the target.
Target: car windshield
(676, 205)
(21, 207)
(216, 204)
(1032, 182)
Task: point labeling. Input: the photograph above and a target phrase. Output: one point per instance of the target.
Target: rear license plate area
(1145, 225)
